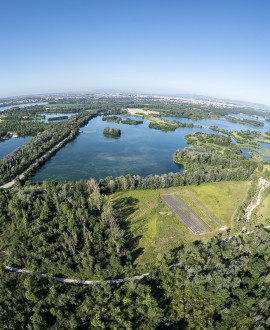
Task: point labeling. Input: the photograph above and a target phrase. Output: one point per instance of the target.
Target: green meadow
(152, 228)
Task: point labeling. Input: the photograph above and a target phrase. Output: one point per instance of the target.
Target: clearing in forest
(153, 229)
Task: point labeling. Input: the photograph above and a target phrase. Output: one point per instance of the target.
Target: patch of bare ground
(133, 111)
(262, 185)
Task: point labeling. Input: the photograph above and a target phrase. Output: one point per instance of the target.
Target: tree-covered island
(112, 131)
(113, 119)
(244, 121)
(129, 121)
(57, 118)
(118, 120)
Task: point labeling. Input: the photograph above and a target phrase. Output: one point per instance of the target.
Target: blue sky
(216, 48)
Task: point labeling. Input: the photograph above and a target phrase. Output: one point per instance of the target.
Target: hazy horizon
(109, 91)
(209, 48)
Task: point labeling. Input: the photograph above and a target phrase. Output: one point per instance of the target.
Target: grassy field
(152, 227)
(190, 198)
(262, 213)
(221, 198)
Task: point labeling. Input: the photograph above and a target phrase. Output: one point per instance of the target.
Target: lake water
(10, 145)
(246, 153)
(47, 116)
(140, 150)
(224, 124)
(265, 128)
(264, 145)
(23, 105)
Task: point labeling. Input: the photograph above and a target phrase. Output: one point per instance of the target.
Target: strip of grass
(262, 213)
(200, 209)
(222, 198)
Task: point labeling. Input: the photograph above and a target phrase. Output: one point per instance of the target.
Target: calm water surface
(246, 153)
(224, 124)
(23, 105)
(47, 116)
(264, 145)
(10, 145)
(140, 150)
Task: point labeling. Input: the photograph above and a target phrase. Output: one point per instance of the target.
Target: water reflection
(8, 146)
(139, 150)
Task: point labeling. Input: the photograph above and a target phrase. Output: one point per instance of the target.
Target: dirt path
(116, 281)
(262, 184)
(133, 111)
(11, 183)
(233, 215)
(68, 280)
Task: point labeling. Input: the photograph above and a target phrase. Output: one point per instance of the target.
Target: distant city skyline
(217, 49)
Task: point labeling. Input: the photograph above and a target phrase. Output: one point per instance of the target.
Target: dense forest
(216, 285)
(65, 229)
(214, 151)
(230, 158)
(23, 129)
(166, 125)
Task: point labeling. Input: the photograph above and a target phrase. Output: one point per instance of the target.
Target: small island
(118, 120)
(165, 125)
(57, 118)
(114, 119)
(129, 121)
(112, 131)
